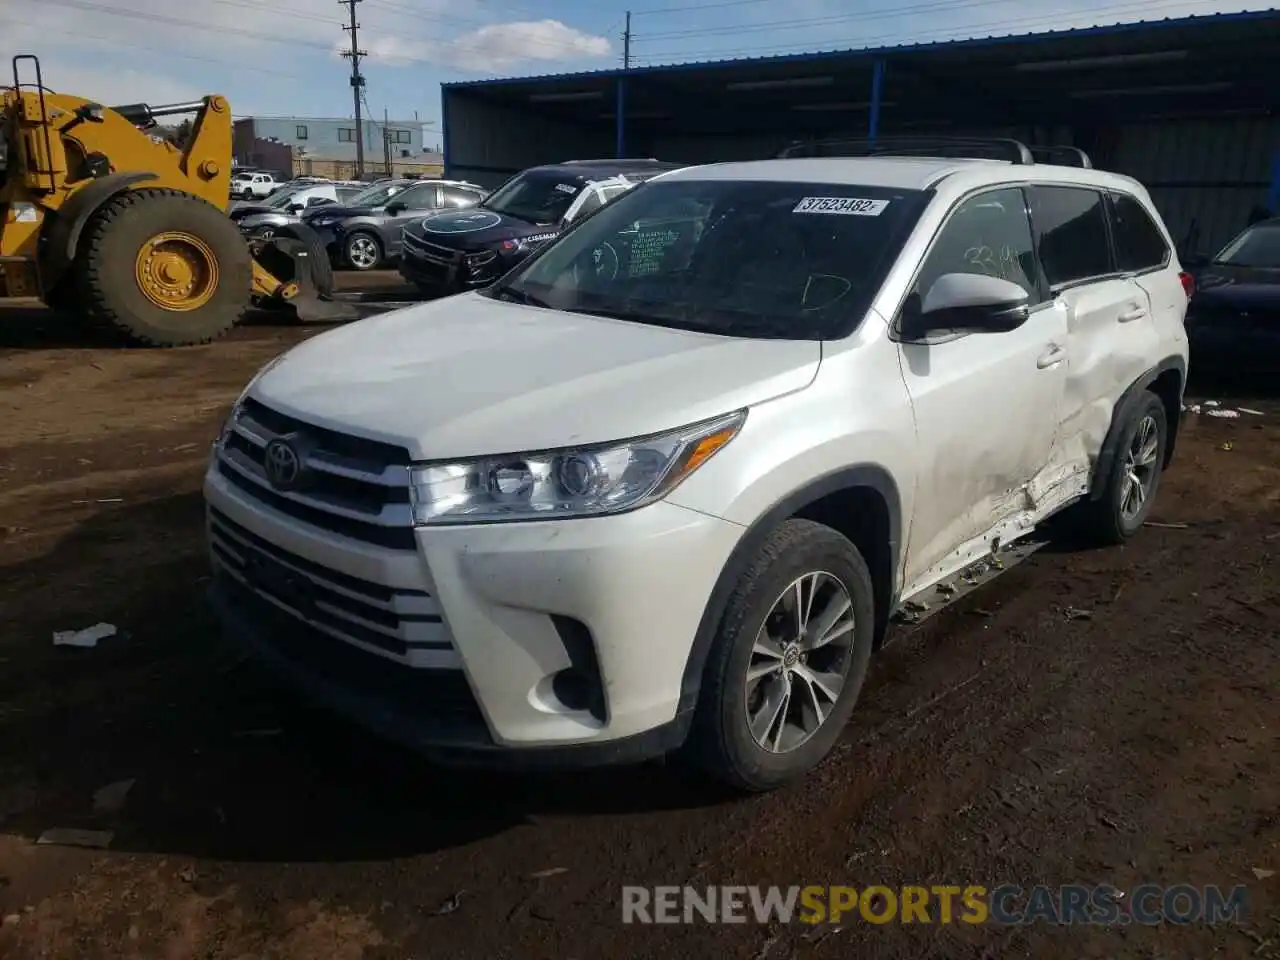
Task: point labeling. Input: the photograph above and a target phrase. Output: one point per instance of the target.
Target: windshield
(537, 196)
(278, 198)
(376, 195)
(1257, 247)
(738, 258)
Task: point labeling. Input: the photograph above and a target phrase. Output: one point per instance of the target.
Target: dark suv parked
(455, 251)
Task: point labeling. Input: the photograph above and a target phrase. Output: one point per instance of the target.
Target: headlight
(230, 422)
(566, 483)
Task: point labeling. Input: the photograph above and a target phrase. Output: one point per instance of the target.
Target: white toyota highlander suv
(664, 485)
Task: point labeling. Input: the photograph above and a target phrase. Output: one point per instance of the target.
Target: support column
(877, 91)
(620, 120)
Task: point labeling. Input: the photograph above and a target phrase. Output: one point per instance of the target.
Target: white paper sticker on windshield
(846, 206)
(566, 188)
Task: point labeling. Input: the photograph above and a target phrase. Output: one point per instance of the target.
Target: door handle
(1135, 311)
(1051, 357)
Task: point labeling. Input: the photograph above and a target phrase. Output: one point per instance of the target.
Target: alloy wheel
(799, 662)
(1140, 468)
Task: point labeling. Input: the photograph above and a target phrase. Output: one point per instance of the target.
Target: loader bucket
(303, 281)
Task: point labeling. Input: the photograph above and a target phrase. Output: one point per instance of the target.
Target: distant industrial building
(328, 138)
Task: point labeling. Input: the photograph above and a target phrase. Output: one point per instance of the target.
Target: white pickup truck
(247, 186)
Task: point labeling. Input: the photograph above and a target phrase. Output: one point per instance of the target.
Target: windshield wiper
(513, 295)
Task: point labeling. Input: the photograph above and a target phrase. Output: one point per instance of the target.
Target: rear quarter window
(1139, 242)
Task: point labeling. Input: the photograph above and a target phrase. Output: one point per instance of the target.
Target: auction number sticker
(566, 188)
(845, 206)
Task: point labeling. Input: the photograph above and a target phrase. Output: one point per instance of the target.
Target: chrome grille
(405, 625)
(354, 486)
(433, 252)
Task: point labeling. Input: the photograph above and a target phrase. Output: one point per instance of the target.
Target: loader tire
(280, 265)
(164, 268)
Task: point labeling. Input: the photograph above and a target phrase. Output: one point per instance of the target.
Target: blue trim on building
(877, 92)
(620, 120)
(1113, 29)
(1273, 194)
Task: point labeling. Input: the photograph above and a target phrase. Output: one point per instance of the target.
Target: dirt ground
(1003, 741)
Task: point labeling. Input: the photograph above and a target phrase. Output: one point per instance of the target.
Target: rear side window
(457, 197)
(1071, 231)
(1139, 243)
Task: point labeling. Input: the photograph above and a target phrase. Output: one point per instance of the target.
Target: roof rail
(1014, 151)
(1065, 156)
(619, 161)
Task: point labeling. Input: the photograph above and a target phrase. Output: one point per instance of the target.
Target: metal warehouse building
(1186, 106)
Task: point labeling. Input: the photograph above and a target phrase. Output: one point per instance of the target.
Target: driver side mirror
(395, 208)
(295, 208)
(970, 303)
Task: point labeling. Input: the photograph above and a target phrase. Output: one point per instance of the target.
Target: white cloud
(269, 57)
(497, 46)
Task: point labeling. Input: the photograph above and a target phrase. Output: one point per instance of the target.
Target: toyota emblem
(282, 463)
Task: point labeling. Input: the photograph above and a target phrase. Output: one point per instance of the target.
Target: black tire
(109, 249)
(280, 264)
(368, 235)
(1105, 521)
(720, 741)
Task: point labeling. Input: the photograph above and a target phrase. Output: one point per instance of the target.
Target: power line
(699, 6)
(793, 24)
(179, 22)
(938, 35)
(460, 44)
(80, 35)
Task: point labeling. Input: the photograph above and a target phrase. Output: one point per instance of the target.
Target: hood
(336, 211)
(1237, 288)
(475, 228)
(240, 211)
(469, 376)
(271, 218)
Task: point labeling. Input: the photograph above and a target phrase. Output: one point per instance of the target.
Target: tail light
(1188, 284)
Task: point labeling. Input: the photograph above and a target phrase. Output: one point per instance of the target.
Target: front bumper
(616, 599)
(439, 268)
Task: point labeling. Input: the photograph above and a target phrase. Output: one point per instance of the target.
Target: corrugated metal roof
(1098, 30)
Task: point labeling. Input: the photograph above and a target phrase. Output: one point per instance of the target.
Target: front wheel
(362, 251)
(788, 661)
(164, 268)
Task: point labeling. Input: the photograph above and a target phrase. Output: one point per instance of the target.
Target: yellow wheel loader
(100, 218)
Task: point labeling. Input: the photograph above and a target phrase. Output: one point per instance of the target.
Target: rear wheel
(164, 268)
(1133, 479)
(362, 251)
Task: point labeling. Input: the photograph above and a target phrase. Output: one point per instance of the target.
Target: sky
(283, 58)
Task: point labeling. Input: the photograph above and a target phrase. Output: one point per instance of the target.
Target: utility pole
(626, 44)
(357, 81)
(386, 141)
